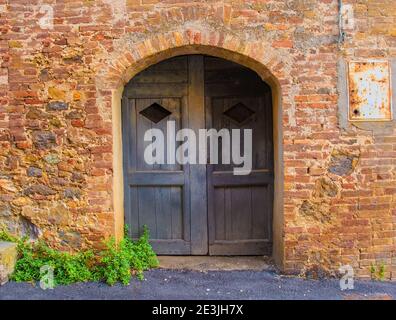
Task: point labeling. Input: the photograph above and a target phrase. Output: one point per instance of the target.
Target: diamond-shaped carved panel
(239, 113)
(155, 112)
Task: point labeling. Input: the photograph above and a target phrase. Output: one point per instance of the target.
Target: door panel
(241, 220)
(167, 198)
(240, 206)
(160, 208)
(173, 105)
(156, 195)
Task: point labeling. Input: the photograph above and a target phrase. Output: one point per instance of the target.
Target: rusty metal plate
(369, 91)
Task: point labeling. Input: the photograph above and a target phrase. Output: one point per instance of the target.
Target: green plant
(68, 268)
(372, 271)
(377, 272)
(116, 263)
(5, 236)
(381, 271)
(118, 260)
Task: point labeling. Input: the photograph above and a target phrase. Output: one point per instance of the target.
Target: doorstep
(216, 263)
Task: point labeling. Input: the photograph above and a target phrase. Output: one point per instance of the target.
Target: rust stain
(369, 91)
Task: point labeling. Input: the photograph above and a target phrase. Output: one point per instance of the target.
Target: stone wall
(57, 78)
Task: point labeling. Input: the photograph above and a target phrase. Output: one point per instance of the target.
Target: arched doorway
(195, 208)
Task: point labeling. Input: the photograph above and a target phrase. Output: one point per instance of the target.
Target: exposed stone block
(52, 158)
(325, 187)
(34, 172)
(44, 139)
(318, 211)
(342, 163)
(56, 93)
(8, 257)
(40, 189)
(57, 106)
(5, 210)
(72, 193)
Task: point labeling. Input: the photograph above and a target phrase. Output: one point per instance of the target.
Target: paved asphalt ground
(163, 284)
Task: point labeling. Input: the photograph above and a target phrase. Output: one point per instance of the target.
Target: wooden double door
(198, 209)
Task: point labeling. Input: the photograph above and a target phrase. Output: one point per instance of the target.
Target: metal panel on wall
(369, 91)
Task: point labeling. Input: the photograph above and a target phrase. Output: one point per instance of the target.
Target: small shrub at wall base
(116, 263)
(377, 272)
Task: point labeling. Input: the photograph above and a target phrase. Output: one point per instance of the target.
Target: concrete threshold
(216, 263)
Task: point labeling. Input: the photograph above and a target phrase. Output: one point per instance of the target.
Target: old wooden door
(173, 200)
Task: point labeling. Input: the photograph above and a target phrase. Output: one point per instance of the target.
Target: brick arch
(137, 56)
(131, 58)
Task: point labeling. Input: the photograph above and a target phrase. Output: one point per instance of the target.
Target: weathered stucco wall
(57, 87)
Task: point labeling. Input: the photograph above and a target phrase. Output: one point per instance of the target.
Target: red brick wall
(374, 239)
(56, 159)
